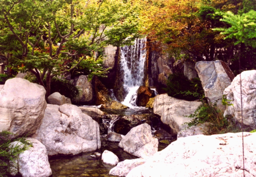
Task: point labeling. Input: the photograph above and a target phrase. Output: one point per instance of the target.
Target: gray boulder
(109, 53)
(174, 112)
(215, 76)
(233, 94)
(204, 156)
(58, 99)
(33, 162)
(22, 106)
(85, 90)
(66, 130)
(139, 141)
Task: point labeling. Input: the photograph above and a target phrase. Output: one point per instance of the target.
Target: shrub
(3, 78)
(9, 153)
(217, 122)
(181, 87)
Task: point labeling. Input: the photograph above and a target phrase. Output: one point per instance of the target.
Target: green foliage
(9, 153)
(217, 123)
(242, 27)
(90, 67)
(181, 87)
(253, 131)
(3, 78)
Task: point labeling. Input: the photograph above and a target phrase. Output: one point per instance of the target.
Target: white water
(133, 64)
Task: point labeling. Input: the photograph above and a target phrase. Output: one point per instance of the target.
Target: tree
(242, 28)
(53, 37)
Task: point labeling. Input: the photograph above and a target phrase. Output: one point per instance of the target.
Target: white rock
(109, 157)
(139, 141)
(124, 167)
(22, 106)
(248, 98)
(66, 130)
(33, 162)
(174, 112)
(204, 156)
(58, 99)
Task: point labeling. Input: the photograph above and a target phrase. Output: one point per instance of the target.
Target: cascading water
(133, 63)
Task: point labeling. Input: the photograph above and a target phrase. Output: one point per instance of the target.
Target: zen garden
(135, 88)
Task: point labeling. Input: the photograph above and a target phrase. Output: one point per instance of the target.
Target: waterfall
(133, 63)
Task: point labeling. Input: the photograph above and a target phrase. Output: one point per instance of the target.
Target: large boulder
(174, 112)
(57, 98)
(33, 162)
(66, 130)
(215, 76)
(248, 99)
(204, 156)
(139, 141)
(143, 95)
(85, 89)
(22, 106)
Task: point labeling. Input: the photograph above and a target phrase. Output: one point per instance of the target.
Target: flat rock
(204, 156)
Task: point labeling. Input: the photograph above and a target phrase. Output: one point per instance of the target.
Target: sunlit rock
(139, 141)
(33, 162)
(247, 99)
(66, 130)
(109, 157)
(22, 106)
(174, 112)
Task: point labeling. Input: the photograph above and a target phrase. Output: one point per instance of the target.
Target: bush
(3, 78)
(8, 153)
(181, 87)
(217, 122)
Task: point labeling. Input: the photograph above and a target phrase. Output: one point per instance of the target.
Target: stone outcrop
(174, 112)
(85, 89)
(204, 156)
(33, 162)
(150, 103)
(139, 141)
(22, 106)
(58, 99)
(66, 130)
(109, 157)
(233, 94)
(215, 76)
(143, 95)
